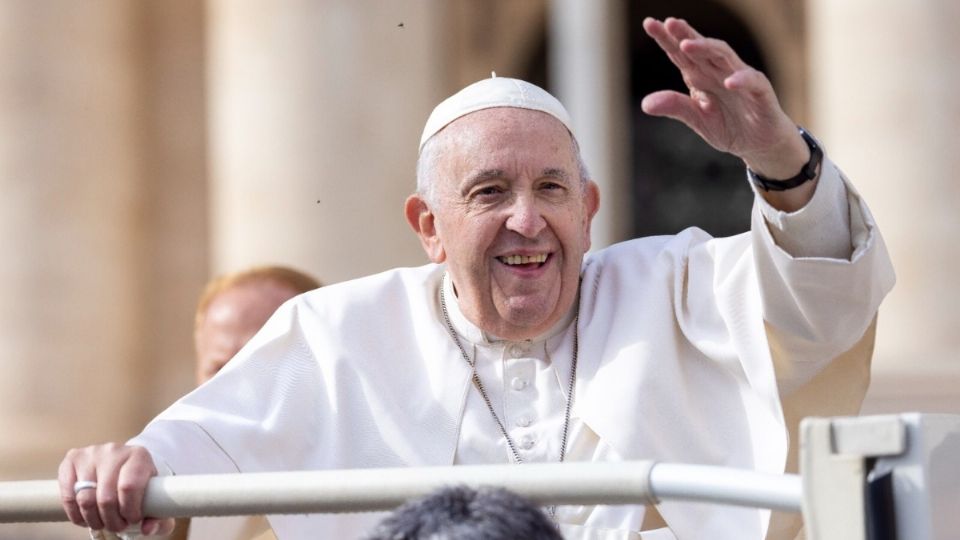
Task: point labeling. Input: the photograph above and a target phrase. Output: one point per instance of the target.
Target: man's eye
(487, 191)
(551, 186)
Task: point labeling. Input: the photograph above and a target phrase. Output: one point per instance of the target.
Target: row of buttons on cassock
(518, 350)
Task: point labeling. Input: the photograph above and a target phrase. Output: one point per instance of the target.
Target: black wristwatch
(807, 173)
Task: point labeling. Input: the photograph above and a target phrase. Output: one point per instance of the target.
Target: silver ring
(81, 485)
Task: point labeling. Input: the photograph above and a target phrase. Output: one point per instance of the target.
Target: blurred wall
(314, 115)
(884, 83)
(102, 226)
(103, 222)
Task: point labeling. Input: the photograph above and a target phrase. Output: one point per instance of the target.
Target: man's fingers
(672, 105)
(66, 478)
(680, 29)
(132, 483)
(156, 526)
(749, 81)
(130, 497)
(704, 62)
(108, 502)
(731, 105)
(87, 500)
(710, 56)
(716, 52)
(656, 30)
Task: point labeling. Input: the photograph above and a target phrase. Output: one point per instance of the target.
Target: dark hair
(462, 513)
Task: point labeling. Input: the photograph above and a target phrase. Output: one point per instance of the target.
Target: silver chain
(483, 392)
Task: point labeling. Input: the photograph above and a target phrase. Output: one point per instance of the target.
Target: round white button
(524, 421)
(528, 443)
(518, 384)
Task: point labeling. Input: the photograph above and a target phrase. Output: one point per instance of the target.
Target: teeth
(524, 259)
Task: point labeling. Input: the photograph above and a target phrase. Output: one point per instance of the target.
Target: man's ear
(591, 200)
(421, 218)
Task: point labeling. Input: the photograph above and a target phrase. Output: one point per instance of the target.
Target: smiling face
(510, 216)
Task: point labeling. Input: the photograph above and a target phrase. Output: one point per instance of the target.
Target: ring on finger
(81, 485)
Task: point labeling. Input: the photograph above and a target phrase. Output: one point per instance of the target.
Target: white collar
(475, 335)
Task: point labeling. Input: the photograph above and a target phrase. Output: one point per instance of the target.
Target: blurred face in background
(232, 317)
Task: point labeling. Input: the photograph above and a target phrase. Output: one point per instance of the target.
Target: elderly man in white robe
(516, 346)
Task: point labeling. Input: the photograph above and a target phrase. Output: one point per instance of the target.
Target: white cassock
(674, 365)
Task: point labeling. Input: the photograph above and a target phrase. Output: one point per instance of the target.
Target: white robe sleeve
(822, 271)
(819, 229)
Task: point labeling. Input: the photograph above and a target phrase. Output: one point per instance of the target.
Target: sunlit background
(147, 145)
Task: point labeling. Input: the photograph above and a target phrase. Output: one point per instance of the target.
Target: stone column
(70, 228)
(175, 220)
(315, 113)
(588, 69)
(885, 80)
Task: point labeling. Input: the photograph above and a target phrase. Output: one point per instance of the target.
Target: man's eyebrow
(492, 174)
(485, 174)
(481, 176)
(552, 172)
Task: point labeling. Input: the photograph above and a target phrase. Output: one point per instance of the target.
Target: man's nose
(525, 217)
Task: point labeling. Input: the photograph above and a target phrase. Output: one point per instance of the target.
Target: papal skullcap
(490, 93)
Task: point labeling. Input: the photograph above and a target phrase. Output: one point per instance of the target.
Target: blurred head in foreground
(462, 513)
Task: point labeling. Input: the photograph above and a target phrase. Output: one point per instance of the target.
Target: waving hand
(731, 105)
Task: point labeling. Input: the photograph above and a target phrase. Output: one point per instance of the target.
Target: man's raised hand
(731, 105)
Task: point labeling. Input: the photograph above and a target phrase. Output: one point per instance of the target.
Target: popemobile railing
(870, 478)
(640, 482)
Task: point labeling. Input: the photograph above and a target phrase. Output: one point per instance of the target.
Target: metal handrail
(357, 490)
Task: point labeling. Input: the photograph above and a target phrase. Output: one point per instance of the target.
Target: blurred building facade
(148, 145)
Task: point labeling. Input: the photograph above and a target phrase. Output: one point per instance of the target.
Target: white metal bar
(727, 486)
(637, 482)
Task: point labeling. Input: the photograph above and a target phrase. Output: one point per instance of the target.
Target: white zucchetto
(491, 93)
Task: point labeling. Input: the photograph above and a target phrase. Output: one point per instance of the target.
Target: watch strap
(807, 172)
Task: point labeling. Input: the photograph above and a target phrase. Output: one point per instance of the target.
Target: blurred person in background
(232, 308)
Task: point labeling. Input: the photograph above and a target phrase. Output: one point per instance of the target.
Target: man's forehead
(479, 147)
(495, 92)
